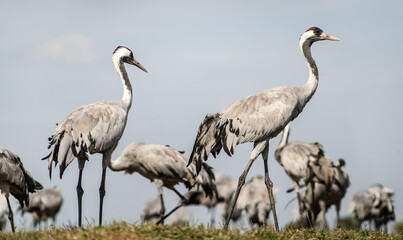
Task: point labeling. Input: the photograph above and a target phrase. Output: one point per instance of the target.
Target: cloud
(70, 48)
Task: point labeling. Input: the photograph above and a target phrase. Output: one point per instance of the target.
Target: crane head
(124, 54)
(314, 34)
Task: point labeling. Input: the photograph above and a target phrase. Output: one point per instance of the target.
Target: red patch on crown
(313, 28)
(316, 30)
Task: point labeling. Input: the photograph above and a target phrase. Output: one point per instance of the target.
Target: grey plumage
(44, 204)
(328, 187)
(295, 158)
(166, 167)
(15, 180)
(374, 204)
(94, 128)
(257, 118)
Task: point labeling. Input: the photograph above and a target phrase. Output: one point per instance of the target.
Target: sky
(201, 56)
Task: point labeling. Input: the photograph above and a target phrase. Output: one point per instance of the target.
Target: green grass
(128, 231)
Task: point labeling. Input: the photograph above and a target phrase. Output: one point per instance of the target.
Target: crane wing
(20, 181)
(89, 129)
(250, 119)
(258, 116)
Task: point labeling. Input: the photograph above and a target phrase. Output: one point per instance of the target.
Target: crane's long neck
(127, 87)
(310, 87)
(284, 138)
(116, 165)
(282, 143)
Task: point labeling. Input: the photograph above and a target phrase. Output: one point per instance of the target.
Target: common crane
(94, 128)
(257, 118)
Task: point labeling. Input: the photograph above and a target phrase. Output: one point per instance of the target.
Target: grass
(128, 231)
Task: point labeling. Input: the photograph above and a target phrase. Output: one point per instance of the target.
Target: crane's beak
(324, 36)
(137, 64)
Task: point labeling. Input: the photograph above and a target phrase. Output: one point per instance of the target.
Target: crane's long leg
(338, 214)
(80, 193)
(159, 184)
(102, 195)
(313, 217)
(183, 202)
(320, 221)
(106, 159)
(257, 149)
(10, 215)
(241, 182)
(297, 189)
(269, 185)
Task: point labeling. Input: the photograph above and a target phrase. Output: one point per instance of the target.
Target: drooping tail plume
(207, 141)
(66, 146)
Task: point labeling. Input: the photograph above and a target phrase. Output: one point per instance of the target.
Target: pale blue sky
(201, 56)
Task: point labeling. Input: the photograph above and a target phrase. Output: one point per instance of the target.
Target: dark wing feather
(13, 173)
(207, 141)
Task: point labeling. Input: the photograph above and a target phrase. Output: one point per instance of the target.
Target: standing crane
(16, 180)
(94, 128)
(257, 118)
(166, 167)
(296, 158)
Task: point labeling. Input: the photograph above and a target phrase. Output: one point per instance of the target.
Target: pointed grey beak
(137, 64)
(324, 36)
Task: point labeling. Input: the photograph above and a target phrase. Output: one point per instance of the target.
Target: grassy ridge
(128, 231)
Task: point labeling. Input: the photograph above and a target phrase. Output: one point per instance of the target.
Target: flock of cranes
(98, 127)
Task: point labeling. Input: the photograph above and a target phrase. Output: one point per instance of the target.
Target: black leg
(80, 193)
(101, 195)
(10, 215)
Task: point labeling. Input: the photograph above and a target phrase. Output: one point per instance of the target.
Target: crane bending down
(295, 158)
(257, 118)
(94, 128)
(166, 167)
(16, 180)
(44, 204)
